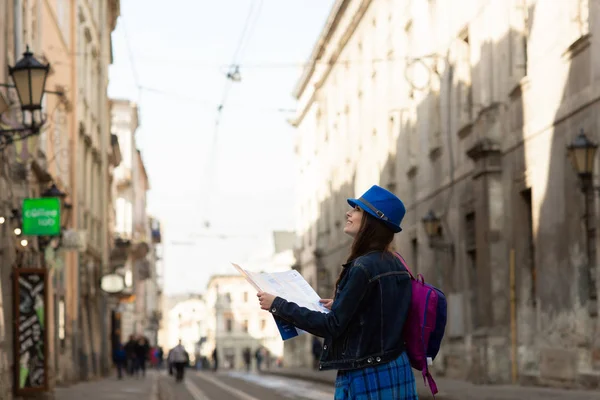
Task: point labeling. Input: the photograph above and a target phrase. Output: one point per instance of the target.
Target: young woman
(363, 331)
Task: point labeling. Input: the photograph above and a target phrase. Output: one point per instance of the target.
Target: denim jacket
(364, 327)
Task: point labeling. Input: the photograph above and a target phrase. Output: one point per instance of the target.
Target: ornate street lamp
(29, 76)
(65, 207)
(582, 152)
(432, 224)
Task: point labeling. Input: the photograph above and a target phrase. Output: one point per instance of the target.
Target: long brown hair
(373, 235)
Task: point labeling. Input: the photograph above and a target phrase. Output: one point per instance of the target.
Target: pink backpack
(425, 325)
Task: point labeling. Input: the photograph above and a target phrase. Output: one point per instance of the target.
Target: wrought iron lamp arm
(56, 92)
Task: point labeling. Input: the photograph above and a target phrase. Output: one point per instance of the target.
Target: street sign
(41, 216)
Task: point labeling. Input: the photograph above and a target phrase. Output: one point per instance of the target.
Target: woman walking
(363, 331)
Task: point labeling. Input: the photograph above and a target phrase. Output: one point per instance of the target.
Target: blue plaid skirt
(391, 381)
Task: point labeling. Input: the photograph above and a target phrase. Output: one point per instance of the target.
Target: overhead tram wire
(211, 169)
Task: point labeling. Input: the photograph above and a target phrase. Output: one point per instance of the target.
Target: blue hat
(383, 205)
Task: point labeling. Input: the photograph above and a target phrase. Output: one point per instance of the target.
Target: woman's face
(353, 220)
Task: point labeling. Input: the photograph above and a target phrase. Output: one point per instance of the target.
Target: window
(229, 325)
(472, 268)
(530, 246)
(472, 271)
(470, 231)
(463, 77)
(408, 126)
(61, 323)
(519, 36)
(435, 120)
(245, 325)
(63, 11)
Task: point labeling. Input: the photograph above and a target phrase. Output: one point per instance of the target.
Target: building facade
(466, 112)
(94, 21)
(235, 321)
(137, 236)
(55, 32)
(17, 181)
(187, 322)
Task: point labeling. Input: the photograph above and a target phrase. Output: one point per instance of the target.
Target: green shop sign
(41, 217)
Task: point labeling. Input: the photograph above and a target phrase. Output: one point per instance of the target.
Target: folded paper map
(288, 285)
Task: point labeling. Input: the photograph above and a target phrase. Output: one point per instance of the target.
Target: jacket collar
(349, 263)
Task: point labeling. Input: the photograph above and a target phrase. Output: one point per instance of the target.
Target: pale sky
(180, 52)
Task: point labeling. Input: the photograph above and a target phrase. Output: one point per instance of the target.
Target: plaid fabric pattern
(391, 381)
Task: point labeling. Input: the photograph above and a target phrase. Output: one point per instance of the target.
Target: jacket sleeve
(331, 324)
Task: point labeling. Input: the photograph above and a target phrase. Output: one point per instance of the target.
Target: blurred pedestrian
(247, 358)
(142, 350)
(180, 358)
(120, 359)
(363, 330)
(215, 357)
(130, 353)
(259, 358)
(160, 357)
(169, 362)
(153, 361)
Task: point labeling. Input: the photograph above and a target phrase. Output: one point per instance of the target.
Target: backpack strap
(404, 264)
(428, 379)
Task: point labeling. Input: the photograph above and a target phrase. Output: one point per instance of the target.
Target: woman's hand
(265, 299)
(326, 303)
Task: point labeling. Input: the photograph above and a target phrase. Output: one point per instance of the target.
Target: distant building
(187, 321)
(236, 321)
(137, 236)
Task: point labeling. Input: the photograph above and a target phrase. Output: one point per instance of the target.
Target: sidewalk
(450, 389)
(111, 388)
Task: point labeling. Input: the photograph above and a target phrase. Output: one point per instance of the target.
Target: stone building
(92, 24)
(136, 235)
(466, 112)
(75, 39)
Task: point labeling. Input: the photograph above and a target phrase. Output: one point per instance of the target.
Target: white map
(289, 285)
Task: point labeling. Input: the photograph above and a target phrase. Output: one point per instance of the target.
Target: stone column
(491, 355)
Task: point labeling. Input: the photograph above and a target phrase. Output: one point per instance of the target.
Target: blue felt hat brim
(356, 202)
